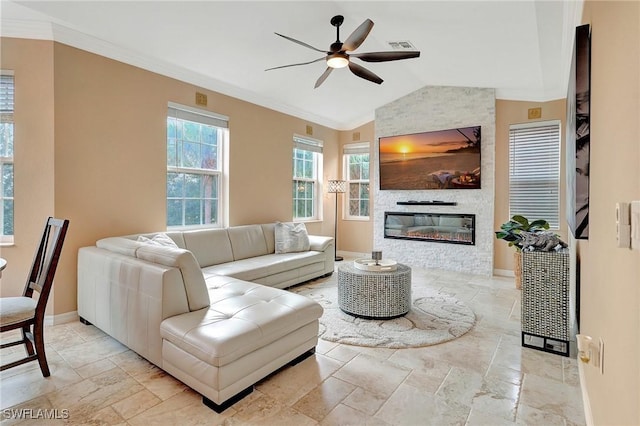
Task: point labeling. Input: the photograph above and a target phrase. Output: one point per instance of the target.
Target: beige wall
(356, 235)
(32, 62)
(610, 276)
(516, 112)
(101, 161)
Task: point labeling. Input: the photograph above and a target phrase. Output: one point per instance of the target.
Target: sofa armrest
(319, 243)
(120, 245)
(192, 276)
(128, 298)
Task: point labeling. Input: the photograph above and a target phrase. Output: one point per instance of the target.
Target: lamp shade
(337, 186)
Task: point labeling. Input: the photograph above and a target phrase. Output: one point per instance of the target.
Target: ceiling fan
(337, 56)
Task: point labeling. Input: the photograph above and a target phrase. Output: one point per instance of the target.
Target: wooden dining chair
(26, 312)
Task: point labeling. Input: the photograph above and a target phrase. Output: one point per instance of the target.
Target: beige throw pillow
(291, 237)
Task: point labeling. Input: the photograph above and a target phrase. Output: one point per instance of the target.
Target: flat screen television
(442, 159)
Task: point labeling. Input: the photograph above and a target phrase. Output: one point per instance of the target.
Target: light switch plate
(635, 225)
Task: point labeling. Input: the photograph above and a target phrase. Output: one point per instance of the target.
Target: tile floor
(482, 378)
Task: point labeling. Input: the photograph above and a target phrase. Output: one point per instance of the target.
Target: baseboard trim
(503, 273)
(588, 416)
(61, 318)
(353, 254)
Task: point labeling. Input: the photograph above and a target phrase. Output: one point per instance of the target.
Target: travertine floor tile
(483, 378)
(343, 415)
(136, 404)
(291, 384)
(373, 375)
(411, 406)
(321, 400)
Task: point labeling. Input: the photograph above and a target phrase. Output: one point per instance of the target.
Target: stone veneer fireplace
(452, 228)
(438, 108)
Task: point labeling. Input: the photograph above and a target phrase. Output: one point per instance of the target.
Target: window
(6, 156)
(195, 140)
(356, 163)
(534, 171)
(307, 161)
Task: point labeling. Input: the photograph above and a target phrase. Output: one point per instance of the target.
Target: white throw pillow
(158, 240)
(291, 237)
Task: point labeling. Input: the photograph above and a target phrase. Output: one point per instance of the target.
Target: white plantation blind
(534, 171)
(356, 148)
(6, 98)
(307, 144)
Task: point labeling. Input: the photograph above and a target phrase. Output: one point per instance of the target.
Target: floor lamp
(336, 187)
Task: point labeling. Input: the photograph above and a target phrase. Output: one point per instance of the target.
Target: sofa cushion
(247, 241)
(259, 267)
(269, 231)
(195, 287)
(291, 238)
(210, 246)
(242, 318)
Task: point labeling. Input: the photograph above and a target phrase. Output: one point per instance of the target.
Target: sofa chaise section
(207, 311)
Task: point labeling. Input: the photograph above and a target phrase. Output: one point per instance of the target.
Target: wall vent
(402, 45)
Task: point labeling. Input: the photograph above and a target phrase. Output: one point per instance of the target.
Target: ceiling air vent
(401, 45)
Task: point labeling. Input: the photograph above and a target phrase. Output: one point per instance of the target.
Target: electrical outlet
(601, 355)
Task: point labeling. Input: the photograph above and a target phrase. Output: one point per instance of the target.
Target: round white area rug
(435, 317)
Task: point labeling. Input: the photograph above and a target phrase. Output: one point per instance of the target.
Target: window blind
(193, 114)
(312, 145)
(534, 171)
(6, 98)
(356, 148)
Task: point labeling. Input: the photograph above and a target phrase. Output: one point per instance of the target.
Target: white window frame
(347, 151)
(221, 122)
(534, 171)
(7, 109)
(314, 146)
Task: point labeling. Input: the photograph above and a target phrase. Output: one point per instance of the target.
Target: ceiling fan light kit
(337, 56)
(337, 60)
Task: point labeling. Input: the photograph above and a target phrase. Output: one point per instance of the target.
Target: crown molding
(532, 95)
(82, 41)
(37, 30)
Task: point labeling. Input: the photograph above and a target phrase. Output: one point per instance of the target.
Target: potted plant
(511, 232)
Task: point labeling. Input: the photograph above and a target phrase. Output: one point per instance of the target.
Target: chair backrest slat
(45, 261)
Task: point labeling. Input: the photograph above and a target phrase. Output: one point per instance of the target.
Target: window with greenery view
(356, 161)
(307, 158)
(6, 156)
(534, 171)
(194, 167)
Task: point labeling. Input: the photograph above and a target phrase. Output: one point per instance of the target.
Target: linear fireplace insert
(450, 228)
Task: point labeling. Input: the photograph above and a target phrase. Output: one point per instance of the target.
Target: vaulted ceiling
(522, 48)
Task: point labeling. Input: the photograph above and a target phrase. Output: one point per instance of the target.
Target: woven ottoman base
(374, 295)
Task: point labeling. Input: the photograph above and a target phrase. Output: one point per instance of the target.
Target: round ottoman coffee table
(379, 295)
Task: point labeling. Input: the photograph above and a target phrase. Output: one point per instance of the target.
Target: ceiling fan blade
(323, 77)
(295, 65)
(385, 56)
(301, 43)
(357, 36)
(362, 72)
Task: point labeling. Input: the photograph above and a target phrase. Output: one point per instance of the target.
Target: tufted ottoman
(247, 332)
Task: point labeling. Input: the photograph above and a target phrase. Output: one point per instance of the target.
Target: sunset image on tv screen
(444, 159)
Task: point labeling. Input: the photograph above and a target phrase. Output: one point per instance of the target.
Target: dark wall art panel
(578, 140)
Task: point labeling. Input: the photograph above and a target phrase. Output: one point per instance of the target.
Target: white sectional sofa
(209, 310)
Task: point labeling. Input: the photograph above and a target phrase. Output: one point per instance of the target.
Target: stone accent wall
(438, 108)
